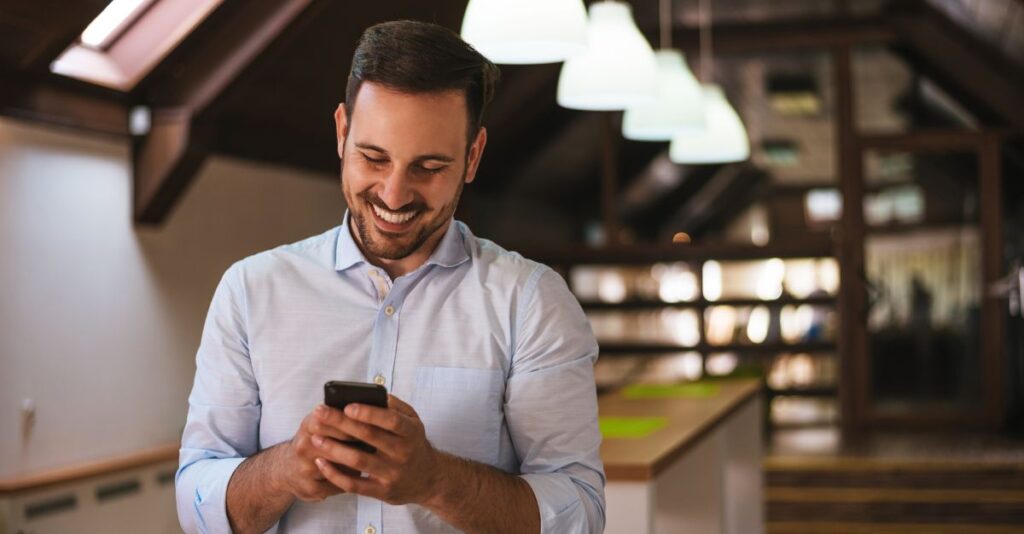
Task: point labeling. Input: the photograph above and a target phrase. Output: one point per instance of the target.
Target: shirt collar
(347, 253)
(450, 252)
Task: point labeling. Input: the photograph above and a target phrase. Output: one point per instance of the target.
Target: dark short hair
(420, 57)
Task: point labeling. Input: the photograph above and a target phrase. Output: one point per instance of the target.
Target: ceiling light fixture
(678, 106)
(526, 31)
(724, 139)
(618, 69)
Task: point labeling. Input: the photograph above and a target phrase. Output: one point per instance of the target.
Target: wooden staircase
(883, 496)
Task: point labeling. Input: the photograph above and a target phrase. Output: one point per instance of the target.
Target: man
(492, 421)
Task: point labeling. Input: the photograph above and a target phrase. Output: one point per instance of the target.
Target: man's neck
(408, 264)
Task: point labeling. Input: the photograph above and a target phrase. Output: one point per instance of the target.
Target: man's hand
(405, 466)
(299, 474)
(406, 469)
(268, 482)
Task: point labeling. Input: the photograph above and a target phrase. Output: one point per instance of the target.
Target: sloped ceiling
(542, 162)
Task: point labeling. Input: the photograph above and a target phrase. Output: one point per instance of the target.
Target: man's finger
(349, 483)
(383, 440)
(350, 457)
(391, 420)
(401, 406)
(327, 421)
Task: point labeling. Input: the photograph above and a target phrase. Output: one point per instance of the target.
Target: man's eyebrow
(368, 146)
(425, 157)
(436, 157)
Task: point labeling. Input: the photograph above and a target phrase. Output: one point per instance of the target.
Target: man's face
(404, 162)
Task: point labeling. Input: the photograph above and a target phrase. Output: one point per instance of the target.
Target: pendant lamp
(677, 108)
(618, 69)
(678, 105)
(526, 31)
(723, 140)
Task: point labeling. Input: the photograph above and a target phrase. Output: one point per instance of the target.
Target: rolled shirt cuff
(559, 501)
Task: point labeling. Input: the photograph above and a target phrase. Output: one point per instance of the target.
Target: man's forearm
(475, 497)
(255, 499)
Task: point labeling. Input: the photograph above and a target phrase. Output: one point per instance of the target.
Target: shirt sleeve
(224, 413)
(551, 407)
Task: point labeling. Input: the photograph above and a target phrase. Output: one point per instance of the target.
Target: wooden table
(700, 473)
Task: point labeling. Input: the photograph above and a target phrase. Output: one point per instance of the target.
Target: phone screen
(339, 394)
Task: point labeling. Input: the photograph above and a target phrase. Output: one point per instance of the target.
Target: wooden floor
(918, 484)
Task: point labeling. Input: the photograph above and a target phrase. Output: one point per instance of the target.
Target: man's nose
(396, 192)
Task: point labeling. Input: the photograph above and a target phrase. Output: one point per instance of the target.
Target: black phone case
(339, 394)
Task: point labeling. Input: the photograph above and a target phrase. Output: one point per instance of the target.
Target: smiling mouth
(393, 219)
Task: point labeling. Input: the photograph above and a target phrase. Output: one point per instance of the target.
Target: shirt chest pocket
(461, 410)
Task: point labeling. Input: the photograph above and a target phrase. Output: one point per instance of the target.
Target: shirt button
(389, 311)
(370, 530)
(379, 380)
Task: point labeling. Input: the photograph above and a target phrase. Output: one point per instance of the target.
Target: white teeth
(392, 217)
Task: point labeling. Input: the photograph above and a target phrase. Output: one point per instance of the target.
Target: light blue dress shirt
(491, 350)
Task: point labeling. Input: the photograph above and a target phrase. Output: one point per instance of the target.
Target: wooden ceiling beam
(29, 97)
(787, 35)
(962, 63)
(184, 95)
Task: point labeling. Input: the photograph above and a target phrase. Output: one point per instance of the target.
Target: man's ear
(476, 151)
(341, 124)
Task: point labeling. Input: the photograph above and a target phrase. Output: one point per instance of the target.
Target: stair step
(893, 495)
(977, 509)
(859, 473)
(887, 528)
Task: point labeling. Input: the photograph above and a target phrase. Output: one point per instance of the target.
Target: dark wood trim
(966, 419)
(770, 349)
(987, 145)
(42, 99)
(609, 179)
(813, 391)
(572, 254)
(993, 340)
(165, 161)
(639, 304)
(852, 315)
(942, 140)
(787, 35)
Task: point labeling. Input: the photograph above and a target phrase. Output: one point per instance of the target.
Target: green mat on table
(630, 427)
(674, 391)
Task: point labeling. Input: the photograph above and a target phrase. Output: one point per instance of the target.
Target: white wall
(100, 320)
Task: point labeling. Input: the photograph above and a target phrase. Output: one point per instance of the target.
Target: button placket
(381, 283)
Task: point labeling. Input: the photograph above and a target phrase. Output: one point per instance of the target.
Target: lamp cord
(704, 14)
(665, 22)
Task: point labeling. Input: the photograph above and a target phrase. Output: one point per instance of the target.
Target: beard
(396, 246)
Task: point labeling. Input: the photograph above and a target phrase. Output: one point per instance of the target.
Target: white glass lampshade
(723, 140)
(526, 31)
(618, 69)
(678, 107)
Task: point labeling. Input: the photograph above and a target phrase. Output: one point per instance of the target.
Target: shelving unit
(787, 300)
(751, 355)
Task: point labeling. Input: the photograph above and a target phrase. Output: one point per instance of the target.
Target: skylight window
(128, 39)
(114, 19)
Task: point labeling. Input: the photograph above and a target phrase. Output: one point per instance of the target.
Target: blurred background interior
(860, 258)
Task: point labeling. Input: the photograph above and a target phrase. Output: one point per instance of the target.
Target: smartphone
(339, 394)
